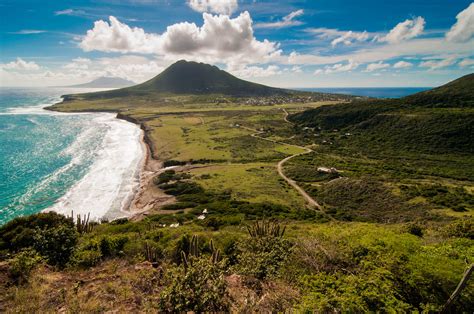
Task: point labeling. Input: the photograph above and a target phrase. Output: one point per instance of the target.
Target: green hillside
(436, 121)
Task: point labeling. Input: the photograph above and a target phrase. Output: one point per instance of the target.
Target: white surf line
(112, 180)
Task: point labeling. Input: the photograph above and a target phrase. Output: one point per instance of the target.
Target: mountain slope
(106, 82)
(457, 93)
(435, 121)
(185, 77)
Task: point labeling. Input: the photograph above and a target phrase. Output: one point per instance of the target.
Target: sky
(313, 43)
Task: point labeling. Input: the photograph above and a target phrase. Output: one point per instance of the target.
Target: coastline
(147, 196)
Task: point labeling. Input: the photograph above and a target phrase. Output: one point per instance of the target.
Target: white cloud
(288, 20)
(349, 37)
(64, 12)
(376, 66)
(405, 30)
(463, 29)
(255, 71)
(438, 64)
(29, 32)
(402, 65)
(69, 12)
(296, 69)
(219, 39)
(466, 63)
(119, 37)
(21, 65)
(418, 48)
(214, 6)
(340, 37)
(340, 67)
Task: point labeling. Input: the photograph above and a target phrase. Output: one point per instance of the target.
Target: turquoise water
(62, 162)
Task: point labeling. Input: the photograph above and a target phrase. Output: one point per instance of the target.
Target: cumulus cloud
(220, 39)
(463, 29)
(20, 65)
(119, 37)
(214, 6)
(376, 66)
(286, 21)
(438, 64)
(402, 65)
(466, 63)
(405, 30)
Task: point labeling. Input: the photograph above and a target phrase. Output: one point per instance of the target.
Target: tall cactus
(266, 228)
(194, 253)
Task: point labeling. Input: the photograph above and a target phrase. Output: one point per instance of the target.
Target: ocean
(86, 163)
(378, 92)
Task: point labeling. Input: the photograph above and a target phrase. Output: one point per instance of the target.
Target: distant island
(105, 82)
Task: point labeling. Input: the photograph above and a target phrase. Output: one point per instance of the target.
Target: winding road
(311, 201)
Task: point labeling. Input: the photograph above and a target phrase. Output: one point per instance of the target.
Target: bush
(463, 228)
(264, 253)
(20, 232)
(56, 244)
(415, 230)
(201, 287)
(86, 258)
(22, 264)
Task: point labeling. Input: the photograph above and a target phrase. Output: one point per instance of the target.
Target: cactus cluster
(152, 254)
(266, 228)
(83, 224)
(194, 253)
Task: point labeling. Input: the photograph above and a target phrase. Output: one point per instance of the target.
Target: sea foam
(108, 187)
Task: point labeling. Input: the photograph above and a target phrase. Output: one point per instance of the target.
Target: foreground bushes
(53, 236)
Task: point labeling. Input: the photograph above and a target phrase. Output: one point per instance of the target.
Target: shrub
(265, 252)
(22, 264)
(20, 232)
(463, 228)
(415, 230)
(86, 258)
(200, 287)
(56, 244)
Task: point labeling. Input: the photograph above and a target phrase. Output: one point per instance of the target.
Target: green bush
(264, 253)
(463, 228)
(22, 264)
(200, 287)
(20, 232)
(56, 244)
(86, 258)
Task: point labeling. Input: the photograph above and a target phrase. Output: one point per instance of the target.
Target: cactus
(194, 253)
(266, 228)
(151, 254)
(83, 224)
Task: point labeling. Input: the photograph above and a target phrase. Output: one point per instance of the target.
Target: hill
(438, 120)
(191, 78)
(106, 82)
(458, 93)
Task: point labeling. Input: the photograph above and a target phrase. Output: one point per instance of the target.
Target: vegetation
(395, 232)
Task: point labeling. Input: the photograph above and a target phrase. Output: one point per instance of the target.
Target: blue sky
(317, 43)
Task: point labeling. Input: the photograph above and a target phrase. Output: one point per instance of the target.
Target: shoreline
(147, 195)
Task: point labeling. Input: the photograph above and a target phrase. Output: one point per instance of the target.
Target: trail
(310, 200)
